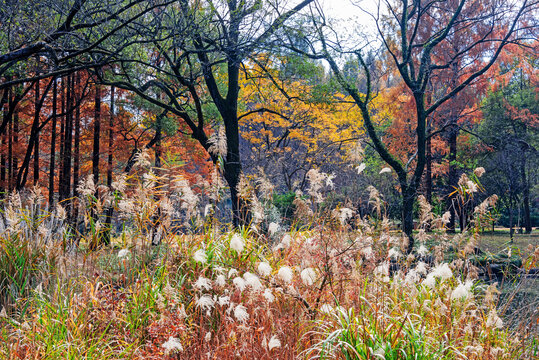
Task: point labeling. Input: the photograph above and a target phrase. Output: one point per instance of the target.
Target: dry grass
(339, 287)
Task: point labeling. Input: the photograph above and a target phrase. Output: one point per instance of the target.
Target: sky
(350, 19)
(349, 10)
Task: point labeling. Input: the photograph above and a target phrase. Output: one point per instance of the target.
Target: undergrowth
(334, 285)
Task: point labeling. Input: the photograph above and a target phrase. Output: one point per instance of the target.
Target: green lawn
(499, 240)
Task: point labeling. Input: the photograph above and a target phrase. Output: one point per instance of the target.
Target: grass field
(499, 240)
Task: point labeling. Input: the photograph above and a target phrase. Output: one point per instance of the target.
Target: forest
(270, 179)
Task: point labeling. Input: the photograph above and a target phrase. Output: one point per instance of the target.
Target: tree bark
(428, 172)
(110, 210)
(408, 198)
(34, 137)
(53, 143)
(511, 220)
(5, 102)
(15, 165)
(68, 142)
(76, 156)
(453, 178)
(63, 93)
(10, 155)
(97, 133)
(3, 163)
(36, 141)
(525, 194)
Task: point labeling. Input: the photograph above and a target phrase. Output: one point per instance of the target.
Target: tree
(297, 130)
(411, 34)
(197, 51)
(45, 38)
(509, 130)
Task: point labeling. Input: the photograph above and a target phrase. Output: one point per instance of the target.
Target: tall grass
(335, 285)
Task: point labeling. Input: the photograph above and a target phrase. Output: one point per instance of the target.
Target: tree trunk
(95, 159)
(63, 95)
(97, 133)
(408, 197)
(37, 110)
(68, 143)
(10, 155)
(511, 221)
(15, 165)
(111, 138)
(453, 178)
(34, 137)
(3, 164)
(233, 169)
(428, 172)
(110, 209)
(76, 156)
(525, 194)
(36, 160)
(53, 143)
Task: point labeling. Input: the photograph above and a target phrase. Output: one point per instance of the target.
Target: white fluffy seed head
(326, 309)
(239, 283)
(286, 241)
(285, 274)
(308, 276)
(269, 296)
(205, 302)
(220, 280)
(203, 283)
(493, 320)
(123, 253)
(241, 314)
(422, 251)
(273, 343)
(200, 256)
(273, 228)
(253, 281)
(462, 291)
(237, 243)
(172, 345)
(264, 269)
(223, 300)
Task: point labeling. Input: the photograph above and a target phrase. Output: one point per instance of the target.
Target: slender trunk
(428, 172)
(6, 107)
(110, 209)
(61, 193)
(408, 198)
(111, 138)
(10, 155)
(68, 143)
(156, 219)
(53, 143)
(76, 156)
(452, 178)
(525, 194)
(511, 221)
(95, 160)
(97, 133)
(37, 110)
(3, 161)
(15, 146)
(22, 175)
(36, 160)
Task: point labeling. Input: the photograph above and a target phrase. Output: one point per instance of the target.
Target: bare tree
(412, 33)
